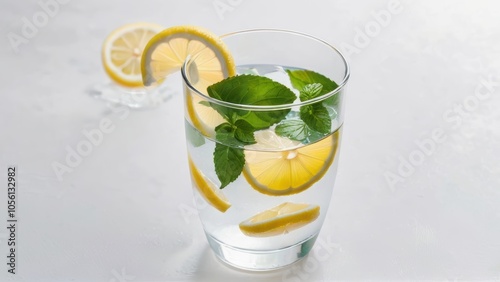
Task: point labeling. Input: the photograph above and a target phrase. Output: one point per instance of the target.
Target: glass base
(132, 97)
(261, 260)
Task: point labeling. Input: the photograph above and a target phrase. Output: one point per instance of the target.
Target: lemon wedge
(280, 173)
(280, 219)
(122, 51)
(208, 190)
(212, 62)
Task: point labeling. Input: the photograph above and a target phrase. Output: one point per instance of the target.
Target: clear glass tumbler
(272, 213)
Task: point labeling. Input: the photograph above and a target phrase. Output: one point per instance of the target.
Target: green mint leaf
(251, 90)
(301, 78)
(228, 157)
(224, 133)
(228, 162)
(244, 132)
(265, 119)
(310, 91)
(294, 129)
(205, 103)
(237, 135)
(316, 117)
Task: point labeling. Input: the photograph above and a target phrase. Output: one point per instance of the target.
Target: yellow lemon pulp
(122, 51)
(166, 53)
(203, 117)
(279, 173)
(280, 219)
(208, 190)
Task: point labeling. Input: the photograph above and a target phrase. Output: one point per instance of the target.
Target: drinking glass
(271, 215)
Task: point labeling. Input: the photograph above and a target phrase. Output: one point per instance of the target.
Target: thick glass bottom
(261, 260)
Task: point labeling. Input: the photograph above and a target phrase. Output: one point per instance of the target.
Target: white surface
(125, 213)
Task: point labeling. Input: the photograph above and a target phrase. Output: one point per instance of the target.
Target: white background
(125, 213)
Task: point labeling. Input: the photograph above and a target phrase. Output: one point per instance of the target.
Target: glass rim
(323, 97)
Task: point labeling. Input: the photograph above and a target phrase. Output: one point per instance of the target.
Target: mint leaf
(264, 119)
(228, 162)
(316, 117)
(244, 132)
(251, 90)
(294, 129)
(228, 158)
(205, 103)
(310, 91)
(237, 135)
(224, 133)
(300, 78)
(239, 130)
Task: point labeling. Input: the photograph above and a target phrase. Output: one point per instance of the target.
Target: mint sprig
(229, 158)
(315, 119)
(240, 125)
(301, 78)
(238, 131)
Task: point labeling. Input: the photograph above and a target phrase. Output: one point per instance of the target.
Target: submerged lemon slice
(280, 219)
(122, 51)
(166, 52)
(208, 190)
(288, 172)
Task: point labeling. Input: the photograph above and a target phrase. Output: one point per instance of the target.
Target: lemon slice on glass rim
(166, 52)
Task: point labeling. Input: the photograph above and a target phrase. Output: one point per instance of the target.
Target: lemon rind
(282, 224)
(206, 189)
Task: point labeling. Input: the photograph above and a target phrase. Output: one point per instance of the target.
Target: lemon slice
(212, 62)
(203, 117)
(279, 173)
(122, 51)
(208, 190)
(166, 52)
(280, 219)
